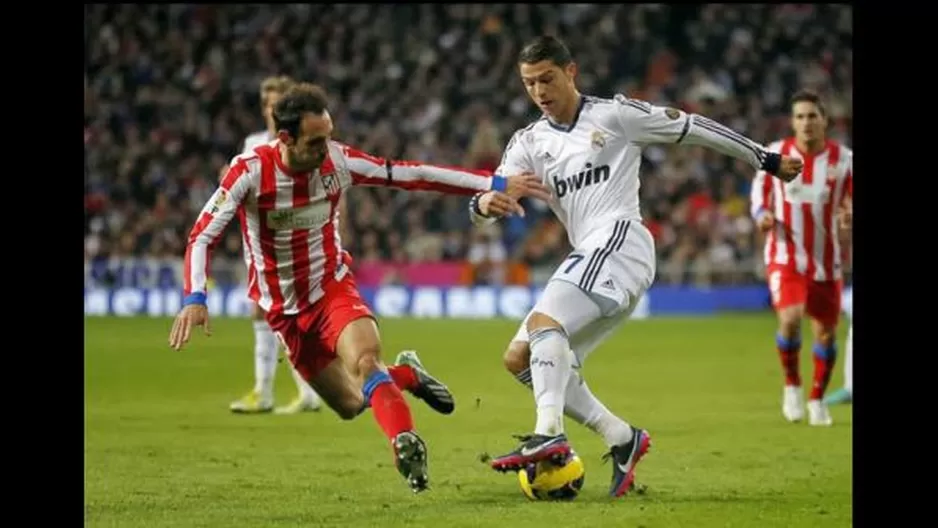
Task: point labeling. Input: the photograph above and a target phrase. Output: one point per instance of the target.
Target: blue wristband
(194, 298)
(760, 213)
(499, 183)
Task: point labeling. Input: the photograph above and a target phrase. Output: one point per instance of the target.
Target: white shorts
(614, 267)
(617, 263)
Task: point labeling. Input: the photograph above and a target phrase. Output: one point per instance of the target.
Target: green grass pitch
(161, 448)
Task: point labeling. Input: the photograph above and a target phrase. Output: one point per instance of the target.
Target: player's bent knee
(539, 320)
(517, 356)
(368, 360)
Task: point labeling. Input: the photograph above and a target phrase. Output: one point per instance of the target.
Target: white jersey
(255, 140)
(592, 165)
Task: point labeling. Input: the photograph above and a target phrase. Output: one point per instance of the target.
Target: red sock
(404, 376)
(391, 410)
(824, 359)
(789, 351)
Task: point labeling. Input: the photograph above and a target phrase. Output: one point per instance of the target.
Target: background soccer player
(261, 398)
(803, 252)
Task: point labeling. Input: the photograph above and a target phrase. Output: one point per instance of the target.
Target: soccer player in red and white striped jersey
(802, 249)
(286, 195)
(266, 345)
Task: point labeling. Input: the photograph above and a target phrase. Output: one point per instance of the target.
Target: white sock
(587, 410)
(265, 359)
(302, 387)
(848, 361)
(551, 364)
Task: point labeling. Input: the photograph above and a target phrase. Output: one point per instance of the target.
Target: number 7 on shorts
(573, 259)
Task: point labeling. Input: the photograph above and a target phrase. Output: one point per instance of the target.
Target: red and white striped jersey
(805, 209)
(250, 143)
(290, 220)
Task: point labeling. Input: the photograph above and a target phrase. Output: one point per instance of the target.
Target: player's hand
(845, 218)
(189, 316)
(845, 214)
(766, 222)
(789, 168)
(528, 185)
(494, 203)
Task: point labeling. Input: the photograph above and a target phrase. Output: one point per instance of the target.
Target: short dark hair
(299, 99)
(543, 48)
(808, 96)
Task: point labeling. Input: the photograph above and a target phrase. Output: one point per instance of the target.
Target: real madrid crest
(597, 140)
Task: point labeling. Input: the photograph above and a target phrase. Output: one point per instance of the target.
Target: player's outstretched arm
(647, 123)
(418, 176)
(215, 216)
(488, 206)
(366, 169)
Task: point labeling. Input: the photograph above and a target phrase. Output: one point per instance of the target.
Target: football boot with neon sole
(301, 403)
(252, 403)
(429, 389)
(533, 448)
(624, 459)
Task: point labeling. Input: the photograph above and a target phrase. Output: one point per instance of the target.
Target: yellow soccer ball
(550, 481)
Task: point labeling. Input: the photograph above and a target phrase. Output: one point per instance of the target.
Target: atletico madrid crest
(331, 183)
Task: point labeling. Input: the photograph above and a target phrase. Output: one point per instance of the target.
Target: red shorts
(311, 335)
(790, 288)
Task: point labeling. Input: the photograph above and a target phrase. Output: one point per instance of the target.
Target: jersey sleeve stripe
(639, 105)
(684, 130)
(721, 130)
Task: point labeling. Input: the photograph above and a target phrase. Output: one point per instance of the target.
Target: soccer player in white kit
(261, 398)
(588, 152)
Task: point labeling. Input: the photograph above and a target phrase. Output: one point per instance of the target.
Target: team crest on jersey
(331, 183)
(597, 140)
(672, 113)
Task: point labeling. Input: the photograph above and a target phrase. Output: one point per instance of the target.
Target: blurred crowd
(172, 90)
